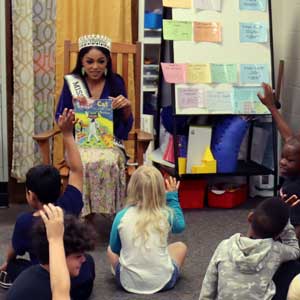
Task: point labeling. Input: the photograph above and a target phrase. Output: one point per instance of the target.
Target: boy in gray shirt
(242, 267)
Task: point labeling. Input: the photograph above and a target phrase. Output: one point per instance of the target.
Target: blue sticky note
(259, 5)
(246, 100)
(253, 32)
(254, 73)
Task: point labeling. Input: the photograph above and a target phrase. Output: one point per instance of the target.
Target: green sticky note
(224, 73)
(177, 30)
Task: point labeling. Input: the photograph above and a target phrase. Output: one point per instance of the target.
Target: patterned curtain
(34, 74)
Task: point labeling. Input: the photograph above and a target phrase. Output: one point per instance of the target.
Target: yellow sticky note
(177, 30)
(198, 73)
(181, 165)
(178, 3)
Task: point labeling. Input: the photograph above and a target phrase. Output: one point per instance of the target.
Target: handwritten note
(207, 32)
(208, 4)
(254, 73)
(174, 73)
(219, 101)
(245, 99)
(253, 33)
(224, 73)
(198, 73)
(190, 98)
(178, 3)
(259, 5)
(177, 30)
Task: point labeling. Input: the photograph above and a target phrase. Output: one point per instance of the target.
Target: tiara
(94, 40)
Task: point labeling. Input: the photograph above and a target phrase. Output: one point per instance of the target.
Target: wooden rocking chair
(120, 56)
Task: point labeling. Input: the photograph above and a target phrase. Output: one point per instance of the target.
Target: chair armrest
(142, 140)
(140, 136)
(143, 136)
(46, 135)
(43, 140)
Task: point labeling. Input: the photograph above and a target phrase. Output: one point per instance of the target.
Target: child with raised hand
(43, 186)
(243, 267)
(53, 218)
(138, 250)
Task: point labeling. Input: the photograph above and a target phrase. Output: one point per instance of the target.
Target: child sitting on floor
(290, 157)
(43, 186)
(242, 267)
(138, 250)
(35, 282)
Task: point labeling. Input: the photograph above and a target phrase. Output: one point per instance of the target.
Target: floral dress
(104, 182)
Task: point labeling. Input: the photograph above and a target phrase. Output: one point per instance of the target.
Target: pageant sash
(76, 86)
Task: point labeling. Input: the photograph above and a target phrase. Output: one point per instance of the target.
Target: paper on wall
(207, 32)
(198, 73)
(177, 30)
(174, 73)
(260, 5)
(190, 98)
(208, 4)
(256, 32)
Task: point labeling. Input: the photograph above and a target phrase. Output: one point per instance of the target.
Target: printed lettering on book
(94, 127)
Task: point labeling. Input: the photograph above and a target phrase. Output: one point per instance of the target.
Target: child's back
(139, 235)
(243, 267)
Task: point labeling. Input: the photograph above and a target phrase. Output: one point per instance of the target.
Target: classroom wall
(286, 32)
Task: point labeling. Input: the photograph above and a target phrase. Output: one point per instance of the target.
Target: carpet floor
(205, 228)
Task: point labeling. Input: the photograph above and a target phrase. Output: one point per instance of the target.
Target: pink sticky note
(191, 98)
(174, 73)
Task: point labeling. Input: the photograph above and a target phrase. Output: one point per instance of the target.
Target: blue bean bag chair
(227, 136)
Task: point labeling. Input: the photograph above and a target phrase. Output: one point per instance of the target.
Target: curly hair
(78, 238)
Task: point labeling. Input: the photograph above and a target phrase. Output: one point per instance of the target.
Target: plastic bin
(153, 20)
(227, 198)
(192, 193)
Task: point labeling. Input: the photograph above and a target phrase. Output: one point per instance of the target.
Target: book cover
(94, 127)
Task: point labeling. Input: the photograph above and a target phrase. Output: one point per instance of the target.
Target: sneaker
(5, 282)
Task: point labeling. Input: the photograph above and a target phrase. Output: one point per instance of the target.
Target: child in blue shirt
(138, 250)
(43, 186)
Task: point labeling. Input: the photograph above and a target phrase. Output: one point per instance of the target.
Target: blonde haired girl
(138, 251)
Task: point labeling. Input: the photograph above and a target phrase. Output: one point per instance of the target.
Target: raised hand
(53, 218)
(66, 121)
(268, 98)
(119, 102)
(172, 185)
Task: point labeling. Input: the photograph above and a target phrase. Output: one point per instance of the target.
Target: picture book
(94, 126)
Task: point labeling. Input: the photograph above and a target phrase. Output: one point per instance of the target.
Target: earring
(105, 72)
(82, 71)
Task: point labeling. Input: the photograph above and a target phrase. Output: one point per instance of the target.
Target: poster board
(221, 54)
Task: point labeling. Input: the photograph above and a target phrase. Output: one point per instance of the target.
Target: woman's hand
(83, 101)
(267, 99)
(120, 102)
(172, 185)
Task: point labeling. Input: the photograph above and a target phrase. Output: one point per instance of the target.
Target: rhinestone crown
(94, 40)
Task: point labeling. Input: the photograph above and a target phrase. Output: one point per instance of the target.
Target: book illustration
(94, 127)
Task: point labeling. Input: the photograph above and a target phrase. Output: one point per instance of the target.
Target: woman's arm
(123, 118)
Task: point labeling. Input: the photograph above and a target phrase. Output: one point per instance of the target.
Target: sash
(76, 86)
